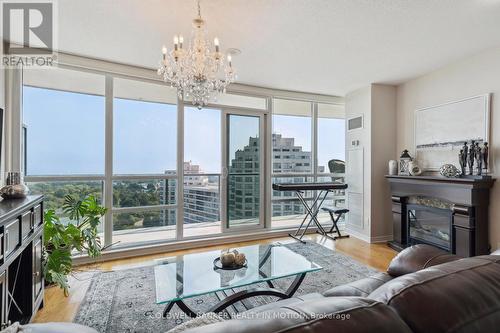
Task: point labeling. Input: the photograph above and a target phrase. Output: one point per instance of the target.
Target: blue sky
(66, 135)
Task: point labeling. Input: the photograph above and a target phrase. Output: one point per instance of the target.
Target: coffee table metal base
(240, 296)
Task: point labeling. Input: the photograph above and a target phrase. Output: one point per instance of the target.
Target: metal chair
(336, 166)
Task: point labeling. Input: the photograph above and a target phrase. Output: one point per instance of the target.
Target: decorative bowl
(218, 265)
(449, 171)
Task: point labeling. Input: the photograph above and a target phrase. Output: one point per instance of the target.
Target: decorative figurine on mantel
(474, 157)
(470, 157)
(462, 159)
(485, 151)
(479, 159)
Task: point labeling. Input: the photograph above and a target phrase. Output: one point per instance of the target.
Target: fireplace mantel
(469, 198)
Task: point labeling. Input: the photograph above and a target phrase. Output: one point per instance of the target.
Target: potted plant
(61, 239)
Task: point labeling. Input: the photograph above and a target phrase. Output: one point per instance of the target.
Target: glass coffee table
(191, 275)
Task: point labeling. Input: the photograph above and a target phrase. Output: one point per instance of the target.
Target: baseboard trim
(381, 239)
(369, 239)
(122, 253)
(358, 235)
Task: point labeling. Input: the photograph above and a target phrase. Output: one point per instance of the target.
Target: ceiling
(321, 46)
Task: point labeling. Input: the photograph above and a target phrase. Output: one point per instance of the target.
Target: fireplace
(429, 225)
(450, 213)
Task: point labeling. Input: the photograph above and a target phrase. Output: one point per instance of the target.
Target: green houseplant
(61, 239)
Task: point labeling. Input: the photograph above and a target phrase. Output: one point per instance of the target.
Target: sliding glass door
(242, 170)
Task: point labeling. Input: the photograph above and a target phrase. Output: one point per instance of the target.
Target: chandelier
(201, 71)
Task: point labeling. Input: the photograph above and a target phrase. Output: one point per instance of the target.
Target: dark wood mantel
(469, 199)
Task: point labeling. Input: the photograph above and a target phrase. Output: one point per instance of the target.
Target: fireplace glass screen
(430, 225)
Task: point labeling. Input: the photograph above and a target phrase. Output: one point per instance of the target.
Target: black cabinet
(3, 280)
(37, 268)
(21, 272)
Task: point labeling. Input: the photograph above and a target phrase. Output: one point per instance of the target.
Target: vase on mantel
(393, 168)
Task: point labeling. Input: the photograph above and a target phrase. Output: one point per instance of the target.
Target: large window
(144, 144)
(292, 136)
(202, 176)
(331, 138)
(296, 126)
(117, 137)
(292, 157)
(331, 153)
(64, 124)
(63, 121)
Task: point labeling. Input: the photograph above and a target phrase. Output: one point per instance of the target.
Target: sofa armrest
(417, 257)
(361, 288)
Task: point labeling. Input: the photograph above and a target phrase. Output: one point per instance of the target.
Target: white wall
(476, 75)
(2, 88)
(377, 104)
(383, 149)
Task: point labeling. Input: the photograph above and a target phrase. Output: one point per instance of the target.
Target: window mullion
(108, 158)
(180, 169)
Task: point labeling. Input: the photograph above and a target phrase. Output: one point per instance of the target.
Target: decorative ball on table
(230, 260)
(449, 171)
(240, 259)
(227, 258)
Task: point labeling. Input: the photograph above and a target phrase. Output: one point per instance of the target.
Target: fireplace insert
(429, 225)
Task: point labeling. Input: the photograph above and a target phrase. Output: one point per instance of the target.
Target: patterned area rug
(124, 300)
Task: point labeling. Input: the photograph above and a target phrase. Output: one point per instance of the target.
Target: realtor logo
(28, 32)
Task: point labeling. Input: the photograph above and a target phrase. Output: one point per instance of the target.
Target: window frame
(113, 70)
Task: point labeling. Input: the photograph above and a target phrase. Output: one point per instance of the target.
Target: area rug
(124, 300)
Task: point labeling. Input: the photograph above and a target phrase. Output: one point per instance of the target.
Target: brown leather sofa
(425, 290)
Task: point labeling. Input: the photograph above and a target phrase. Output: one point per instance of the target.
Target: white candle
(181, 40)
(216, 43)
(176, 42)
(164, 51)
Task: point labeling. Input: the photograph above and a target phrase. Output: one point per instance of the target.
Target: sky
(65, 135)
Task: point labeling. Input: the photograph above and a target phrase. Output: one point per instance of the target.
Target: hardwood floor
(60, 308)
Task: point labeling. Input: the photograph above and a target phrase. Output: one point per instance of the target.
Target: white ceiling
(321, 46)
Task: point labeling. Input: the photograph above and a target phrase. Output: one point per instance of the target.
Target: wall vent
(355, 123)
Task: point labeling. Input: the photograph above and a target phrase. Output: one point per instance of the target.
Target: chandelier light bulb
(176, 42)
(181, 40)
(216, 43)
(164, 50)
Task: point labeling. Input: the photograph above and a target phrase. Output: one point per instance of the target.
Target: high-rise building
(244, 182)
(202, 192)
(201, 195)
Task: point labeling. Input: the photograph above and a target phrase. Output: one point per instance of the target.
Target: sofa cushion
(203, 320)
(360, 288)
(417, 257)
(325, 314)
(459, 296)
